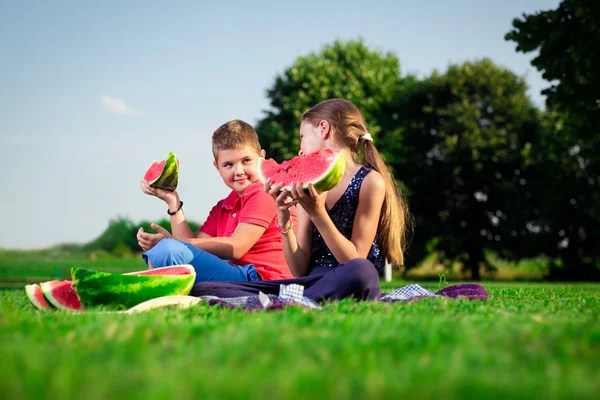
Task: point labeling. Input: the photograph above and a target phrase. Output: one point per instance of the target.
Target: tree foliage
(567, 43)
(120, 238)
(482, 167)
(461, 148)
(348, 70)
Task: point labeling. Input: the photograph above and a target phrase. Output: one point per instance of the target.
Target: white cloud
(119, 106)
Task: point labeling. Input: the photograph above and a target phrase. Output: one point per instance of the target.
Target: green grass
(530, 340)
(527, 341)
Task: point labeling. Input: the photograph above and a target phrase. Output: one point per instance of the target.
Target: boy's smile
(237, 167)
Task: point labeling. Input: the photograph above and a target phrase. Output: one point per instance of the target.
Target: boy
(240, 228)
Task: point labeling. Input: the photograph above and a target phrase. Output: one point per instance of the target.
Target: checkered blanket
(290, 295)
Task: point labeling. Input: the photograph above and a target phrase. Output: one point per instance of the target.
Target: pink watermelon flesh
(172, 270)
(34, 293)
(61, 295)
(307, 169)
(154, 171)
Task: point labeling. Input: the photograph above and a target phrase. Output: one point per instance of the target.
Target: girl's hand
(149, 240)
(312, 202)
(171, 198)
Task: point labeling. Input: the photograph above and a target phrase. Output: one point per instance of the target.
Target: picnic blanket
(293, 295)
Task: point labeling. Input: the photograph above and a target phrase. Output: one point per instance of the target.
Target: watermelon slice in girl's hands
(163, 174)
(323, 169)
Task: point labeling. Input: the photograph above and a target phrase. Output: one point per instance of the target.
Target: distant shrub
(119, 238)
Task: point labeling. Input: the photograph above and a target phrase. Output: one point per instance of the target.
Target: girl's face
(311, 138)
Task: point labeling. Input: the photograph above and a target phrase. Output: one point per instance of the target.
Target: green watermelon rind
(332, 176)
(327, 181)
(169, 178)
(97, 288)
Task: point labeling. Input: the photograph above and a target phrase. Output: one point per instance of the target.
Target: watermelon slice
(34, 293)
(324, 169)
(97, 288)
(163, 174)
(61, 295)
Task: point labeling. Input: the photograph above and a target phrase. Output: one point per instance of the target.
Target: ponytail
(395, 218)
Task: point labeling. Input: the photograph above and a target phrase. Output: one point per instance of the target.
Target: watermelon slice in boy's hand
(323, 169)
(163, 174)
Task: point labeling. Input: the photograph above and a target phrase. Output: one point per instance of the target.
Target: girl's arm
(296, 247)
(296, 242)
(366, 220)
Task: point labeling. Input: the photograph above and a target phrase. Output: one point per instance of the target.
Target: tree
(343, 69)
(459, 142)
(567, 42)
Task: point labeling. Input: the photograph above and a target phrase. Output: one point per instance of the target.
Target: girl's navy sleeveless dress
(342, 214)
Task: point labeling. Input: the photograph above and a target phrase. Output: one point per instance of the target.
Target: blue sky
(92, 91)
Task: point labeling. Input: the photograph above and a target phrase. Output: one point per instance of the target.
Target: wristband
(288, 228)
(176, 211)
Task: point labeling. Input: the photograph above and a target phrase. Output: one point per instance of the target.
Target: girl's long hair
(347, 127)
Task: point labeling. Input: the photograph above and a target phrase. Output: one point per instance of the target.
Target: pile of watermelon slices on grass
(323, 169)
(89, 289)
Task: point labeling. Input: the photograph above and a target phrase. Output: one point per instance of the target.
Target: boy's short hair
(235, 134)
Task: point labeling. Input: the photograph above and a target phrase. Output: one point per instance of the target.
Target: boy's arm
(179, 226)
(232, 247)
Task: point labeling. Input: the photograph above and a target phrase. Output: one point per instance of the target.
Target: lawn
(528, 341)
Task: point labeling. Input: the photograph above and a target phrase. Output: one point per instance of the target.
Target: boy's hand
(171, 198)
(149, 240)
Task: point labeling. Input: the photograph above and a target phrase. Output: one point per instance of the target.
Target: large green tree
(348, 70)
(459, 141)
(567, 46)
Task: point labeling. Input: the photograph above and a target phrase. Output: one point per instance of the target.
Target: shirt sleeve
(210, 225)
(259, 209)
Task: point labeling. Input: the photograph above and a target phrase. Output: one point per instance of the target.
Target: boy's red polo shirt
(254, 206)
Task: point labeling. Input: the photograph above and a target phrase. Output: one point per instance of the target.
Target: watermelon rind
(328, 179)
(31, 290)
(97, 288)
(169, 178)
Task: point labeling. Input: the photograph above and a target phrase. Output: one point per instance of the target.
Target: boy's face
(237, 167)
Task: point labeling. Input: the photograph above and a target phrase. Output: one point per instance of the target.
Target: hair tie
(366, 137)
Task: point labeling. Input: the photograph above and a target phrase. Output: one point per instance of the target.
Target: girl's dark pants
(357, 278)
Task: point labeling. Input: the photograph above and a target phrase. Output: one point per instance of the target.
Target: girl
(343, 236)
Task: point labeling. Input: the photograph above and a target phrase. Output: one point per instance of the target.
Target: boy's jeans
(208, 266)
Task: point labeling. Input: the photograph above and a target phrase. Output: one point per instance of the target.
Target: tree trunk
(474, 262)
